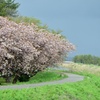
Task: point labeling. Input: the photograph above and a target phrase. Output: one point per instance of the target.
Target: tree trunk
(15, 79)
(8, 79)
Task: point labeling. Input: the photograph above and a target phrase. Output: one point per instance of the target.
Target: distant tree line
(87, 59)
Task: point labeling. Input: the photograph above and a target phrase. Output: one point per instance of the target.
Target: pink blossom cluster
(24, 50)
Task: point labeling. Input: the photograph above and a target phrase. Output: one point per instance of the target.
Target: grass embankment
(44, 76)
(89, 89)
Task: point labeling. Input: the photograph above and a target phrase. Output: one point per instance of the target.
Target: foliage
(26, 20)
(24, 78)
(37, 24)
(8, 8)
(87, 59)
(23, 50)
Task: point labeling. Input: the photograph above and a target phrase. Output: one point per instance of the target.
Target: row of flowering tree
(26, 50)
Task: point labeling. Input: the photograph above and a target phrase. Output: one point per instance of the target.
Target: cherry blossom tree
(25, 49)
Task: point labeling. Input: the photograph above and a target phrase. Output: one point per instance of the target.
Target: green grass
(43, 76)
(88, 89)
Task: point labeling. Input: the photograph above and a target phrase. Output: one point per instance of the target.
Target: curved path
(71, 78)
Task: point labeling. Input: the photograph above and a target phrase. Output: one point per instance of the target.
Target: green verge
(89, 89)
(43, 76)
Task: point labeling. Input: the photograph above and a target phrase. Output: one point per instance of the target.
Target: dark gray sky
(78, 19)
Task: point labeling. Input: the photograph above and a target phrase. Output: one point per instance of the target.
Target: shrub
(24, 78)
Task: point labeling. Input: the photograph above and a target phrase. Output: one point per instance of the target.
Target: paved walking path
(71, 78)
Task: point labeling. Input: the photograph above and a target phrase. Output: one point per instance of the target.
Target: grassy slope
(89, 89)
(43, 76)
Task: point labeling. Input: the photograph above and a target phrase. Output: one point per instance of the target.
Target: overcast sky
(78, 19)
